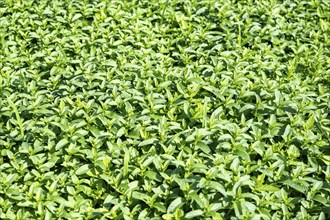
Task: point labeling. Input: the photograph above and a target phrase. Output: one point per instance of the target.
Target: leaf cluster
(178, 109)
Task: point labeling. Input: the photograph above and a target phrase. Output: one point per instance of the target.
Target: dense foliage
(170, 109)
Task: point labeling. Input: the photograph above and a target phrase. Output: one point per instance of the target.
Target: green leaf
(148, 142)
(197, 199)
(309, 123)
(175, 204)
(267, 188)
(76, 17)
(193, 214)
(140, 196)
(25, 204)
(18, 117)
(215, 206)
(83, 169)
(201, 10)
(160, 207)
(218, 187)
(246, 107)
(201, 145)
(121, 132)
(126, 162)
(295, 186)
(61, 144)
(321, 200)
(153, 175)
(81, 132)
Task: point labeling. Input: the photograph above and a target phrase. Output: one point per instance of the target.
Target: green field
(165, 109)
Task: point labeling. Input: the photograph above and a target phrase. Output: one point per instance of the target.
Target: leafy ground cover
(172, 109)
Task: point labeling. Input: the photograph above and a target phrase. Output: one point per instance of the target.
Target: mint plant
(178, 109)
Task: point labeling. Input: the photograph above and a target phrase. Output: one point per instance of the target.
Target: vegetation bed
(170, 109)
